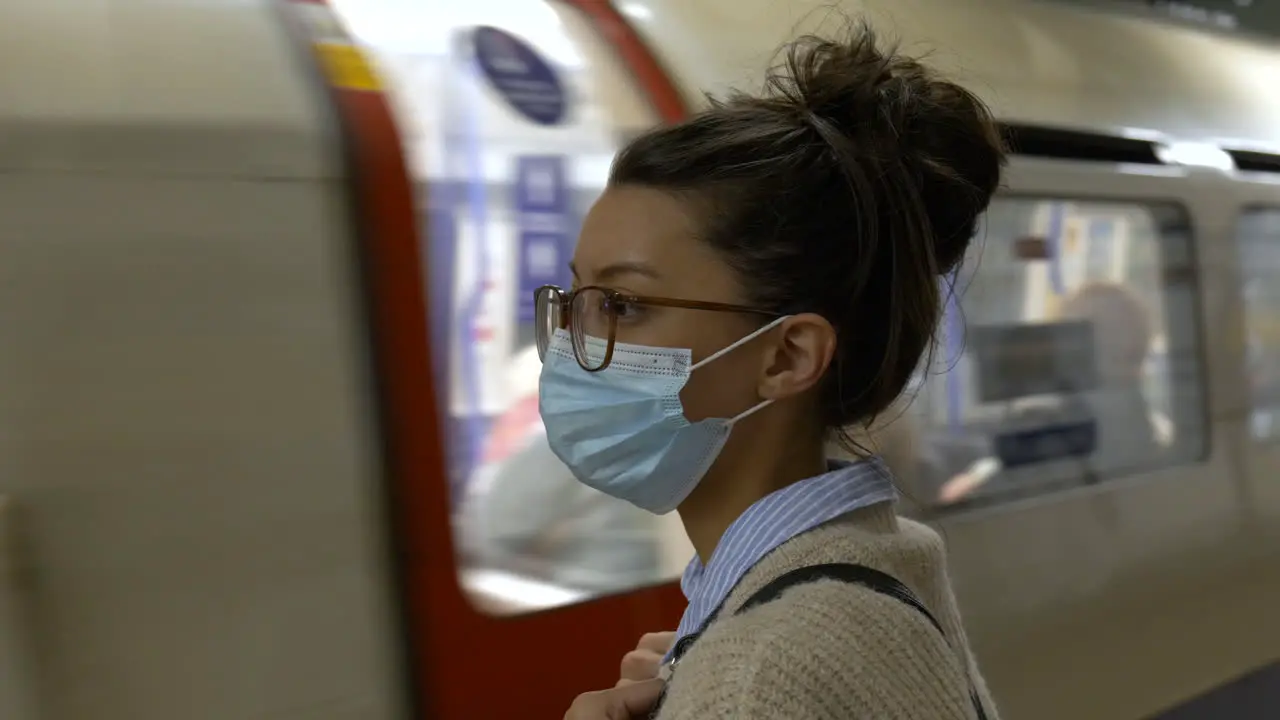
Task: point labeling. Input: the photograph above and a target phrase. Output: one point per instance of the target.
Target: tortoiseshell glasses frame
(592, 312)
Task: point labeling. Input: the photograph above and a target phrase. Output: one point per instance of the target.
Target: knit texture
(833, 651)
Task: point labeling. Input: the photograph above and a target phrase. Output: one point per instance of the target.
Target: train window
(1069, 354)
(513, 112)
(1258, 238)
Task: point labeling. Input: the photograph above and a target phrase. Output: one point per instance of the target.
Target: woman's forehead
(647, 242)
(637, 233)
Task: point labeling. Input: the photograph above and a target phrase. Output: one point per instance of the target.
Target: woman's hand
(632, 701)
(642, 663)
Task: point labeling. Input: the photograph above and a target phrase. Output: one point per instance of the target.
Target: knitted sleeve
(824, 651)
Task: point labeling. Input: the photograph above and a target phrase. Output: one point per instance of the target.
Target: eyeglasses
(591, 313)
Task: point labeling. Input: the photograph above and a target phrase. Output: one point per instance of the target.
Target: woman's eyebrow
(613, 271)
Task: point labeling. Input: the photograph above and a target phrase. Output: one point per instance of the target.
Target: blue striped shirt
(773, 520)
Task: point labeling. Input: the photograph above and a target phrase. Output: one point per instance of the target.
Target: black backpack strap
(869, 578)
(849, 573)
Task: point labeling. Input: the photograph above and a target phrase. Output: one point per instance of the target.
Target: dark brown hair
(847, 188)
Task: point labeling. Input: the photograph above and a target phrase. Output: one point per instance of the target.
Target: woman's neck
(744, 474)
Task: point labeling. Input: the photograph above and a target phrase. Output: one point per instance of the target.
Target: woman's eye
(628, 311)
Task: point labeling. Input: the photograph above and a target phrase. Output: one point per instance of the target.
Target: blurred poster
(1072, 251)
(542, 227)
(1044, 277)
(1100, 257)
(1095, 244)
(1082, 245)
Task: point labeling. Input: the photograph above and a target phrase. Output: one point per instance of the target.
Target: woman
(751, 280)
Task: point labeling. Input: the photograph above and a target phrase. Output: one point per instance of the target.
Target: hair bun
(865, 101)
(843, 190)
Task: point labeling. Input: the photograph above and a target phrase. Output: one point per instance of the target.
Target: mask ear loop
(748, 413)
(713, 356)
(726, 350)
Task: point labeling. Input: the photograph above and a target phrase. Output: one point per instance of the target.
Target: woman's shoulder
(824, 649)
(835, 649)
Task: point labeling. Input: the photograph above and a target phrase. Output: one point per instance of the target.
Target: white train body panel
(185, 440)
(192, 510)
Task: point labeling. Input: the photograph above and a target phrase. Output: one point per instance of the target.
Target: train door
(1246, 213)
(189, 518)
(510, 113)
(1257, 240)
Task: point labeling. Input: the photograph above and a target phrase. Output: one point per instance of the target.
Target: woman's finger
(659, 642)
(640, 665)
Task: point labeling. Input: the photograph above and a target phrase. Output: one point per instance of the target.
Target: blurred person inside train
(1128, 431)
(525, 512)
(752, 279)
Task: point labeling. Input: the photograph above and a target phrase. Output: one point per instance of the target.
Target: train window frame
(1245, 211)
(1180, 227)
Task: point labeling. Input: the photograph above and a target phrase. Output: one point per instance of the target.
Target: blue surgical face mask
(622, 430)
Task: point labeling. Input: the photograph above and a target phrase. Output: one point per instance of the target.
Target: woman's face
(640, 241)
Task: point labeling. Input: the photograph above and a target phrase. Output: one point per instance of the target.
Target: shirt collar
(773, 520)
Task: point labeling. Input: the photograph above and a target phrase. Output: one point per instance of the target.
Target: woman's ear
(801, 349)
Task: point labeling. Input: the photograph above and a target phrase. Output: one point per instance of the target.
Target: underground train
(265, 311)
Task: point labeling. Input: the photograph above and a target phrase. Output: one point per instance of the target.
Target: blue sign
(542, 226)
(442, 239)
(519, 74)
(1053, 442)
